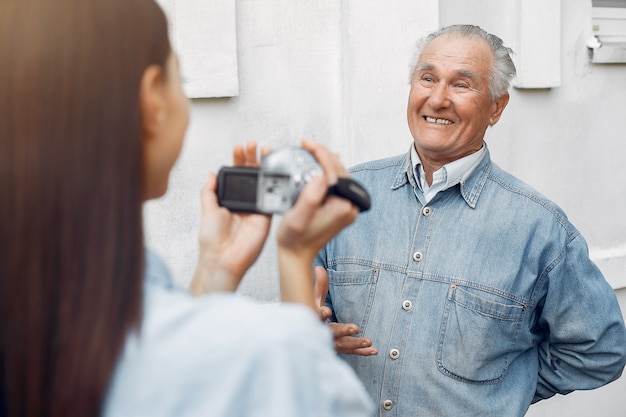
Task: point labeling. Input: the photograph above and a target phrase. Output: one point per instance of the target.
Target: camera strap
(353, 191)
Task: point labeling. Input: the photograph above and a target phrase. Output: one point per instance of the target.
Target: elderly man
(475, 291)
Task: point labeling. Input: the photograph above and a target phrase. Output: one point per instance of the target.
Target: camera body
(274, 187)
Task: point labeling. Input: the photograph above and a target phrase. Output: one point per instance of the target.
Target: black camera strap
(353, 191)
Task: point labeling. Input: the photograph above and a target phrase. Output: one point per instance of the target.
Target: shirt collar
(448, 175)
(472, 179)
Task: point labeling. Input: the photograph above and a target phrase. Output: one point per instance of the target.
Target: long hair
(71, 178)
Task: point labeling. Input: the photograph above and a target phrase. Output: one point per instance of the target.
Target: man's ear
(498, 107)
(151, 100)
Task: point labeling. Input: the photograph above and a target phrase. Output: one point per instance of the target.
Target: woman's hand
(309, 225)
(229, 242)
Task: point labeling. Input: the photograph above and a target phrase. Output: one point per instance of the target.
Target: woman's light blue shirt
(226, 355)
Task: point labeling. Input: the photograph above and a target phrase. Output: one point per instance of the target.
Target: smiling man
(463, 291)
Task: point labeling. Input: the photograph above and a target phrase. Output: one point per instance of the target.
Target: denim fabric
(479, 303)
(226, 355)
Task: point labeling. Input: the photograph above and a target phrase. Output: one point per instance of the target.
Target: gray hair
(503, 68)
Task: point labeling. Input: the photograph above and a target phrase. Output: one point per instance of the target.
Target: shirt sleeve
(584, 344)
(304, 377)
(223, 355)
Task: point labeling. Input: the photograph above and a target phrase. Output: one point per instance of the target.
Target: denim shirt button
(417, 256)
(387, 404)
(394, 353)
(427, 211)
(407, 305)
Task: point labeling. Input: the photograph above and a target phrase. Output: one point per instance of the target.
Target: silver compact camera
(273, 188)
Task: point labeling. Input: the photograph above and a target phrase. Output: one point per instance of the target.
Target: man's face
(449, 106)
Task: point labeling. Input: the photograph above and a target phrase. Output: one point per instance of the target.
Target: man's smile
(437, 121)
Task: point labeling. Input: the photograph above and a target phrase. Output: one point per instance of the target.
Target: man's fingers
(325, 313)
(370, 351)
(355, 346)
(345, 342)
(342, 329)
(350, 342)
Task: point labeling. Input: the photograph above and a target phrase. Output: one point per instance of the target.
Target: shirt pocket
(352, 294)
(478, 334)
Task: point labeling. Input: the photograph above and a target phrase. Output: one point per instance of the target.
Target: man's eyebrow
(468, 74)
(424, 66)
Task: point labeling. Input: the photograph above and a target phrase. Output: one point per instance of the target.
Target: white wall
(337, 72)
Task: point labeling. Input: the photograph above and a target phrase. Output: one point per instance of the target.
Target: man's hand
(343, 334)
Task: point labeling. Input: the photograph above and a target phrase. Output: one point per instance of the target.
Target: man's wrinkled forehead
(470, 55)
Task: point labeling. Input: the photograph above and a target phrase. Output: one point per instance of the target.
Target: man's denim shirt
(479, 303)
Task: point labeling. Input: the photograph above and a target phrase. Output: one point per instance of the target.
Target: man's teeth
(438, 121)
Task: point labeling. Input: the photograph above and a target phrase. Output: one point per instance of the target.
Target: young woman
(92, 119)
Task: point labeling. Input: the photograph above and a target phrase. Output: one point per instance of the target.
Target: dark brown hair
(71, 178)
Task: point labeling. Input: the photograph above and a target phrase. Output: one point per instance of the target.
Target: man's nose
(439, 96)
